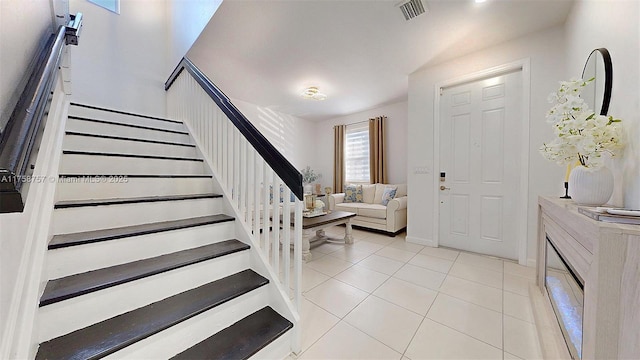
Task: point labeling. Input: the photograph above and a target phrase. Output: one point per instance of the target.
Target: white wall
(545, 51)
(397, 118)
(186, 19)
(24, 24)
(292, 136)
(614, 25)
(121, 59)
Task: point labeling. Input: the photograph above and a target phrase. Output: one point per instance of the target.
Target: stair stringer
(279, 299)
(18, 339)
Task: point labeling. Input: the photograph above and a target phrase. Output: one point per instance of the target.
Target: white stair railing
(264, 189)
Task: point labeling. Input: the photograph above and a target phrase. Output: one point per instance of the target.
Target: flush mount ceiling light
(313, 93)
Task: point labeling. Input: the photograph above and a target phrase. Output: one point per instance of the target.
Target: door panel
(480, 127)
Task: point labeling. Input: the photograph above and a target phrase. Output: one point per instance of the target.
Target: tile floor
(384, 298)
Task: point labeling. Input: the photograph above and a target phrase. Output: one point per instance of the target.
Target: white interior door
(480, 130)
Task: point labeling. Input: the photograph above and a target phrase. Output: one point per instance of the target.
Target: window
(356, 153)
(111, 5)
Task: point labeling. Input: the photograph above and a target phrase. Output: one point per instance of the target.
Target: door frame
(523, 66)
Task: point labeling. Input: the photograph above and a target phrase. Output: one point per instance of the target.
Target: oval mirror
(597, 94)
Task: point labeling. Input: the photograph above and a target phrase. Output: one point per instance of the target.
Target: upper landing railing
(280, 165)
(19, 141)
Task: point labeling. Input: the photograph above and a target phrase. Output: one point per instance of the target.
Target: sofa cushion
(379, 191)
(368, 193)
(402, 190)
(388, 194)
(372, 210)
(353, 193)
(349, 207)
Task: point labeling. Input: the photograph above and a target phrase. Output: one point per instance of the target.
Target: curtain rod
(360, 122)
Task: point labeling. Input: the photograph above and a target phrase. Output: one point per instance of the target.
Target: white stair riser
(190, 332)
(88, 218)
(82, 258)
(108, 165)
(66, 316)
(279, 348)
(114, 146)
(135, 187)
(84, 112)
(92, 127)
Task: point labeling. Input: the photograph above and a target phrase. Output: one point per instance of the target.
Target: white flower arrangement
(581, 134)
(309, 176)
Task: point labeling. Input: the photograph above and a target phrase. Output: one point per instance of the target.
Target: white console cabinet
(607, 257)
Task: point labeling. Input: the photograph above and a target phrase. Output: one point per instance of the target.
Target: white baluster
(268, 193)
(257, 191)
(286, 244)
(275, 223)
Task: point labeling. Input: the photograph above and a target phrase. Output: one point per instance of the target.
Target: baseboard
(531, 263)
(421, 241)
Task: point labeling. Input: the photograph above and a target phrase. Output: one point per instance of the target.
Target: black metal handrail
(285, 170)
(18, 141)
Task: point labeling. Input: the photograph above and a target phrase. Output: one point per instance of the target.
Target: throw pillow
(353, 193)
(388, 194)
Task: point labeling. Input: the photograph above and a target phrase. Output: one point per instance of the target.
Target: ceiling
(359, 53)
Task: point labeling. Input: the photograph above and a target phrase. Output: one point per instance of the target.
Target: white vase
(308, 189)
(590, 187)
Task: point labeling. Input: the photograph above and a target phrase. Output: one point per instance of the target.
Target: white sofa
(371, 214)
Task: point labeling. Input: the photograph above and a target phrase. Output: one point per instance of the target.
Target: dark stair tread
(73, 239)
(117, 123)
(125, 113)
(242, 339)
(79, 284)
(133, 156)
(123, 138)
(111, 335)
(121, 201)
(138, 176)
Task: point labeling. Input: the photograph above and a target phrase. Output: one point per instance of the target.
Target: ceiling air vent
(412, 8)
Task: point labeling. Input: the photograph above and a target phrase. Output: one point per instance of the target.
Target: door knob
(442, 187)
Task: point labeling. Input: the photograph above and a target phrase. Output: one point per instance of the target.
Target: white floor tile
(310, 278)
(518, 306)
(508, 356)
(402, 244)
(350, 254)
(521, 339)
(316, 322)
(327, 247)
(517, 284)
(346, 342)
(395, 254)
(410, 296)
(438, 342)
(420, 276)
(381, 264)
(329, 265)
(486, 262)
(440, 252)
(473, 292)
(470, 319)
(362, 278)
(516, 269)
(477, 274)
(336, 297)
(379, 239)
(431, 263)
(391, 324)
(367, 246)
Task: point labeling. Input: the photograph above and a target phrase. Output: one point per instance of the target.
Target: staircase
(143, 260)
